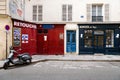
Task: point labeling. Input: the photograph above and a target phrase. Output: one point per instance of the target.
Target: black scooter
(24, 58)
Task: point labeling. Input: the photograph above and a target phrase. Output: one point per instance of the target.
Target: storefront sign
(24, 25)
(88, 26)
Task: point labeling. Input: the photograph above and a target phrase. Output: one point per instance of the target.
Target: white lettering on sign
(26, 25)
(87, 26)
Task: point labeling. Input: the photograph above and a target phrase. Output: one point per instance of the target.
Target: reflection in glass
(88, 38)
(109, 38)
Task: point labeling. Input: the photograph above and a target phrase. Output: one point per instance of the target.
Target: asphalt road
(63, 70)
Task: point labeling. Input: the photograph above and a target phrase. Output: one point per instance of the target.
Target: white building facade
(8, 9)
(91, 26)
(80, 10)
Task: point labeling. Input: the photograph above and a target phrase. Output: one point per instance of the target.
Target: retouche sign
(25, 25)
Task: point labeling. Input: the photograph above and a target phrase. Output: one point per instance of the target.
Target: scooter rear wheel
(5, 66)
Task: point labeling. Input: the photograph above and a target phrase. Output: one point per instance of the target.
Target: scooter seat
(22, 54)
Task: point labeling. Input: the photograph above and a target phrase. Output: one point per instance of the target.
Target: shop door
(42, 42)
(71, 41)
(98, 44)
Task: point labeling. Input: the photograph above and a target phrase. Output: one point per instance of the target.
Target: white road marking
(37, 65)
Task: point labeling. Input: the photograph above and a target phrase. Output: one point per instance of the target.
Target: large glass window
(88, 38)
(109, 38)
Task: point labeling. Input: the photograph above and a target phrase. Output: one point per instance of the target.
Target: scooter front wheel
(28, 61)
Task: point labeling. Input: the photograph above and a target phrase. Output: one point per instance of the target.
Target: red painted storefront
(26, 33)
(50, 39)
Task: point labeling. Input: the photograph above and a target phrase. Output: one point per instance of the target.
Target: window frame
(38, 13)
(67, 10)
(97, 13)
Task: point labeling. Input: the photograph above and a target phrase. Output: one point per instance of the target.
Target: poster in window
(16, 36)
(24, 38)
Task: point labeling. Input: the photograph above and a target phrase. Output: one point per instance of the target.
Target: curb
(44, 60)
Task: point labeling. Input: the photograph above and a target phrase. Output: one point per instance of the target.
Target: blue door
(71, 41)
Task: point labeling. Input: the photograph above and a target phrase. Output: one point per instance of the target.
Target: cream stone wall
(52, 9)
(5, 20)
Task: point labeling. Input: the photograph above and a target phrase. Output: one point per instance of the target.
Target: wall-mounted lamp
(117, 35)
(81, 35)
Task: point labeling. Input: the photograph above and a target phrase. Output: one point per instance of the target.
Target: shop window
(88, 38)
(109, 38)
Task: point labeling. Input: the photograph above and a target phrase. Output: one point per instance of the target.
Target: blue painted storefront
(99, 38)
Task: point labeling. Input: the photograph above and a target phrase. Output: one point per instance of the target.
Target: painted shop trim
(99, 38)
(50, 39)
(71, 39)
(24, 36)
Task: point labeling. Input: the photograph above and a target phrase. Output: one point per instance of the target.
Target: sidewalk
(107, 58)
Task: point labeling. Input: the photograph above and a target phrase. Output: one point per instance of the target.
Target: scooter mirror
(11, 48)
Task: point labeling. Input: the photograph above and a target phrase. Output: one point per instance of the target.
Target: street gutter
(44, 60)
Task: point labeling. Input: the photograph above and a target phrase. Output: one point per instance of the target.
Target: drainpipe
(24, 10)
